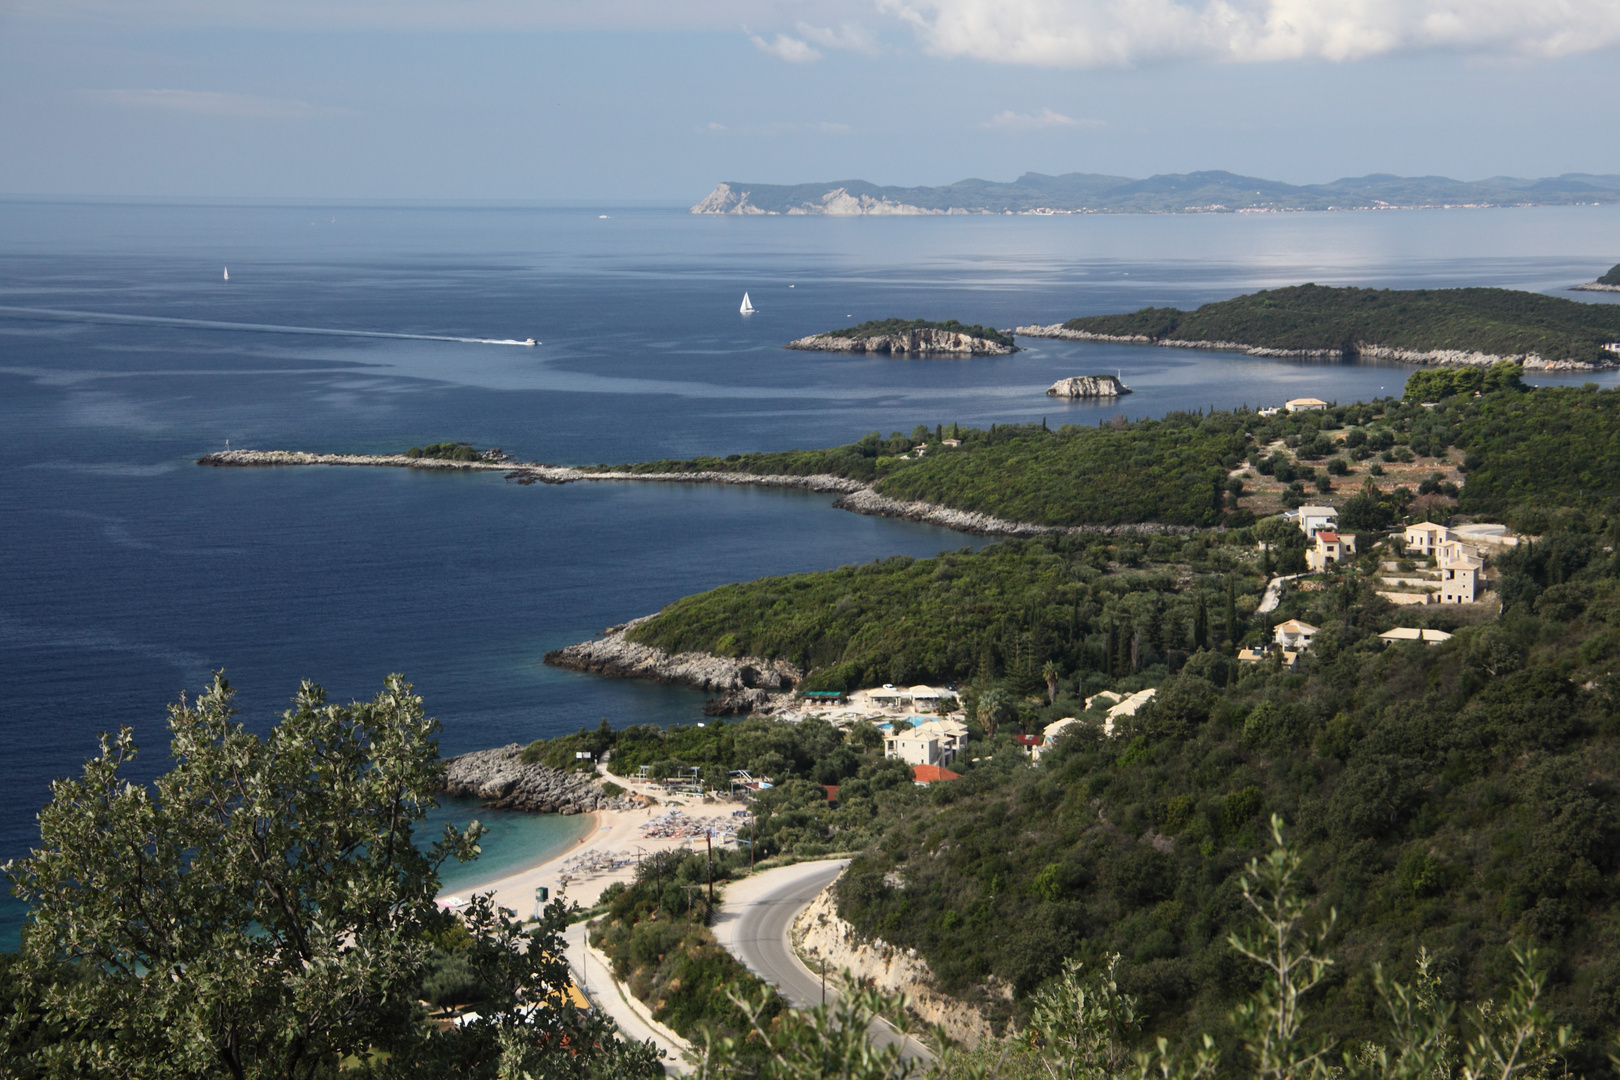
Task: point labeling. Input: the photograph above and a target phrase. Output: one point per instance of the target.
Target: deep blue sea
(128, 573)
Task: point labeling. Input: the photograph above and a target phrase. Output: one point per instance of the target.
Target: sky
(655, 101)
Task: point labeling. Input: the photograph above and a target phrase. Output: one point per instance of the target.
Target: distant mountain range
(1177, 193)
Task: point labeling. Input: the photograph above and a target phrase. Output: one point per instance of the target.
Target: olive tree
(264, 910)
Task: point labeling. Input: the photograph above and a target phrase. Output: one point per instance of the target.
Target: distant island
(1174, 193)
(911, 337)
(1609, 282)
(1474, 327)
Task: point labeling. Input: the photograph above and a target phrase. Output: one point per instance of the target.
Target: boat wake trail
(57, 314)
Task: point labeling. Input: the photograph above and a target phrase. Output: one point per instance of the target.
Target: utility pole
(708, 842)
(823, 982)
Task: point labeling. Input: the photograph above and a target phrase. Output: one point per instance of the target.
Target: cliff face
(921, 342)
(502, 779)
(1088, 386)
(614, 654)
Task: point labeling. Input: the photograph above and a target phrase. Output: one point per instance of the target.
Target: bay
(129, 573)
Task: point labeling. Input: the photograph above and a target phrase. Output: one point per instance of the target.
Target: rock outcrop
(1595, 286)
(614, 654)
(921, 342)
(504, 781)
(820, 933)
(868, 501)
(1441, 357)
(1088, 386)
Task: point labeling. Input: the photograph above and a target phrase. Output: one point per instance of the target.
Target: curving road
(755, 924)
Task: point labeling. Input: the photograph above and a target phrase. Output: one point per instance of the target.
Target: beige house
(1331, 547)
(1050, 736)
(1119, 706)
(1460, 579)
(1425, 537)
(935, 743)
(1294, 634)
(1290, 660)
(1305, 404)
(1412, 633)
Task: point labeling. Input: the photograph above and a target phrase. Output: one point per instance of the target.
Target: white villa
(936, 742)
(1305, 404)
(1050, 736)
(1119, 706)
(1313, 519)
(1294, 635)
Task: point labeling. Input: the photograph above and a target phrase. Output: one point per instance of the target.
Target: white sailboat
(227, 273)
(747, 308)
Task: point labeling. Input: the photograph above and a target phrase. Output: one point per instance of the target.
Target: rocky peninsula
(914, 337)
(504, 781)
(1609, 282)
(1088, 386)
(744, 684)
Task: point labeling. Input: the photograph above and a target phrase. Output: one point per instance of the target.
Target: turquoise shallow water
(514, 841)
(130, 573)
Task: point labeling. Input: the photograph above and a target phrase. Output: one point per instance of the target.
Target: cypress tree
(1200, 623)
(1231, 609)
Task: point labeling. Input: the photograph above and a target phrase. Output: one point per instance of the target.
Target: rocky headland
(1088, 386)
(856, 496)
(1363, 350)
(743, 684)
(919, 342)
(1594, 286)
(504, 781)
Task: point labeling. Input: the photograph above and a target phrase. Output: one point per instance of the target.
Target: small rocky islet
(911, 337)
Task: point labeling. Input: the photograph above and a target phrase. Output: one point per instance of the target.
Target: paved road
(591, 974)
(1273, 596)
(755, 923)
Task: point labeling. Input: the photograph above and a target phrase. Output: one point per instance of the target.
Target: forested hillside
(1082, 602)
(1503, 322)
(1458, 797)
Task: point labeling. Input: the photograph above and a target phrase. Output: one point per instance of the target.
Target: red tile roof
(927, 774)
(1327, 537)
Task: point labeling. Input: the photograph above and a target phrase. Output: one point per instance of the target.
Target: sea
(128, 573)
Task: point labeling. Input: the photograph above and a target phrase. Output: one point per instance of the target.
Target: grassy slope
(1500, 321)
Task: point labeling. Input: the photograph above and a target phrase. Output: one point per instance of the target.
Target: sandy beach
(608, 853)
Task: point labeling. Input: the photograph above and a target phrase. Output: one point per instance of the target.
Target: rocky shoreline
(504, 781)
(867, 501)
(743, 684)
(1440, 357)
(856, 496)
(1594, 286)
(919, 342)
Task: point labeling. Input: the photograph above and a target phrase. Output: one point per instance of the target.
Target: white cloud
(851, 37)
(824, 127)
(1035, 121)
(215, 103)
(786, 48)
(1100, 33)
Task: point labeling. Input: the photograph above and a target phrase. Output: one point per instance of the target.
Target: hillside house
(1294, 634)
(1049, 737)
(1290, 660)
(1331, 547)
(1460, 580)
(923, 775)
(1313, 519)
(1305, 404)
(1412, 633)
(937, 742)
(1425, 538)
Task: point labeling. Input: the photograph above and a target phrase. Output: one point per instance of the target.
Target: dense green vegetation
(445, 451)
(1529, 451)
(264, 911)
(1504, 322)
(1432, 384)
(1612, 277)
(657, 936)
(1086, 603)
(879, 327)
(1457, 797)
